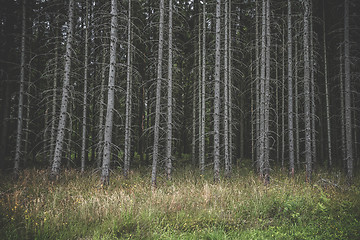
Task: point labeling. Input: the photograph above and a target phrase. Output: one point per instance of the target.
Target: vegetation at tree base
(190, 206)
(179, 119)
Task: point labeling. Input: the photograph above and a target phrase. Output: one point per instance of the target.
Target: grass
(189, 207)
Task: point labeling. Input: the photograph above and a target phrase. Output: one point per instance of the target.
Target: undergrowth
(190, 206)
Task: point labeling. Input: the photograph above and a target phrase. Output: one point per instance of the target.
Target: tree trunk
(21, 94)
(169, 98)
(158, 95)
(101, 111)
(347, 88)
(127, 150)
(105, 173)
(217, 95)
(262, 92)
(267, 97)
(55, 169)
(290, 94)
(327, 99)
(54, 99)
(203, 77)
(226, 93)
(312, 90)
(307, 107)
(85, 93)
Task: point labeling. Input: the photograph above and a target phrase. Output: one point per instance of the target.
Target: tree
(55, 169)
(158, 95)
(169, 97)
(347, 98)
(85, 93)
(290, 94)
(21, 93)
(105, 172)
(217, 95)
(307, 100)
(128, 103)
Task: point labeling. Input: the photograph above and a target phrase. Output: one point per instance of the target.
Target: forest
(197, 119)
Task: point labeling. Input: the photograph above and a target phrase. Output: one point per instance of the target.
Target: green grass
(189, 207)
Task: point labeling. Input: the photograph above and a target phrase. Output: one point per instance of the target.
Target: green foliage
(189, 207)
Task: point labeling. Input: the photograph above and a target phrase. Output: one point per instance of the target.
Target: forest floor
(190, 206)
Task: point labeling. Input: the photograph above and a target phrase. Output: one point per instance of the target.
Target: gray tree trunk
(105, 172)
(342, 109)
(262, 92)
(217, 94)
(101, 111)
(307, 100)
(226, 92)
(55, 169)
(21, 93)
(54, 100)
(290, 94)
(327, 98)
(230, 91)
(297, 128)
(158, 95)
(203, 77)
(169, 98)
(127, 147)
(347, 98)
(312, 90)
(85, 93)
(257, 87)
(267, 97)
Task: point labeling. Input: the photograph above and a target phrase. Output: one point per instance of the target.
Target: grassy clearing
(189, 207)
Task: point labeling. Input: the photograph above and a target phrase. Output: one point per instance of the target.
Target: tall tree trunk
(226, 93)
(217, 95)
(342, 109)
(230, 90)
(203, 77)
(257, 92)
(54, 98)
(85, 93)
(101, 110)
(312, 90)
(158, 95)
(55, 169)
(127, 150)
(267, 96)
(105, 172)
(290, 94)
(262, 92)
(307, 107)
(347, 88)
(21, 93)
(169, 98)
(297, 132)
(327, 98)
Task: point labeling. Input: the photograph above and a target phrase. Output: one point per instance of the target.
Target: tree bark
(55, 169)
(21, 94)
(85, 93)
(327, 98)
(127, 150)
(347, 98)
(203, 92)
(217, 95)
(169, 98)
(226, 93)
(158, 95)
(290, 94)
(307, 100)
(105, 172)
